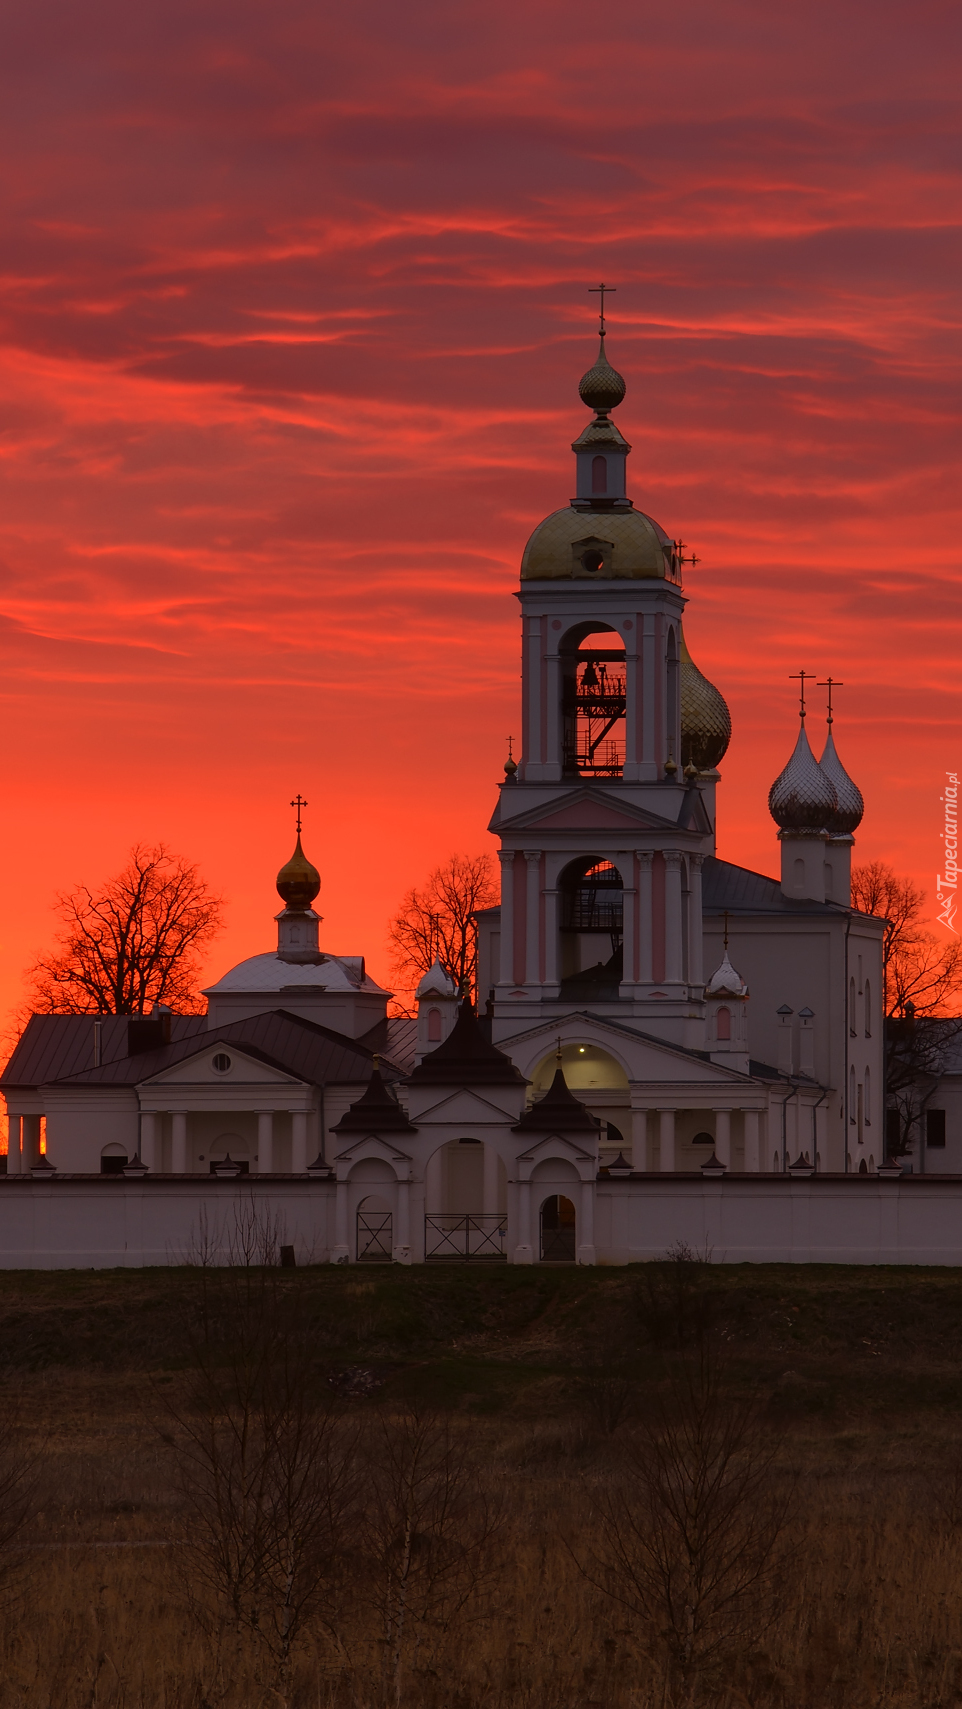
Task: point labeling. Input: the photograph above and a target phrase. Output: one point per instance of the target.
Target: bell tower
(606, 818)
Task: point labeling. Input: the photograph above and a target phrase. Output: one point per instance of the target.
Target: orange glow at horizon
(293, 316)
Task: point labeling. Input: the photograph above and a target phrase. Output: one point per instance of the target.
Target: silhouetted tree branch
(134, 942)
(436, 922)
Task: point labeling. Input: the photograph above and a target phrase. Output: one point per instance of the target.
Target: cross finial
(595, 290)
(298, 802)
(830, 683)
(726, 931)
(801, 677)
(559, 1057)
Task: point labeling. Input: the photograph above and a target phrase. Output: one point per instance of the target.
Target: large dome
(706, 725)
(610, 545)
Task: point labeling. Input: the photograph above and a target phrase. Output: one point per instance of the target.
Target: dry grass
(872, 1618)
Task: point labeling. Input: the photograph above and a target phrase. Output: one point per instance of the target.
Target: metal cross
(726, 931)
(679, 546)
(298, 802)
(593, 290)
(801, 677)
(830, 683)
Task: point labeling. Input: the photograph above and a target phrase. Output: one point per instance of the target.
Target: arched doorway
(375, 1231)
(557, 1230)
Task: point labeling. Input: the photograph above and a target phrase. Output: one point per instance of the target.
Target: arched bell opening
(593, 691)
(592, 929)
(557, 1230)
(375, 1230)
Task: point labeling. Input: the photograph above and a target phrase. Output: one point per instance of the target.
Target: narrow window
(599, 474)
(868, 1009)
(935, 1129)
(851, 1009)
(868, 1097)
(724, 1023)
(851, 1097)
(434, 1026)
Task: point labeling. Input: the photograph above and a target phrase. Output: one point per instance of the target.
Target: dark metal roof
(376, 1111)
(53, 1047)
(395, 1039)
(298, 1047)
(559, 1111)
(466, 1058)
(740, 891)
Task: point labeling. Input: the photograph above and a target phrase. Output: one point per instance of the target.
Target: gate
(374, 1237)
(465, 1239)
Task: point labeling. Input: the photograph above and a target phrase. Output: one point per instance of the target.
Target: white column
(644, 916)
(552, 665)
(552, 941)
(13, 1147)
(523, 1252)
(31, 1142)
(696, 974)
(666, 1126)
(265, 1142)
(489, 1196)
(532, 974)
(630, 902)
(178, 1146)
(432, 1185)
(752, 1159)
(340, 1217)
(673, 941)
(404, 1221)
(639, 1139)
(298, 1142)
(148, 1138)
(723, 1137)
(506, 857)
(586, 1232)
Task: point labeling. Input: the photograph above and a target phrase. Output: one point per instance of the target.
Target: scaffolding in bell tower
(594, 714)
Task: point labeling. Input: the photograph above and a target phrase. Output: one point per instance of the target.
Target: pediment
(645, 1059)
(589, 810)
(459, 1105)
(372, 1146)
(245, 1070)
(555, 1145)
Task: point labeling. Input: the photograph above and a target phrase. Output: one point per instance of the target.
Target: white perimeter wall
(96, 1224)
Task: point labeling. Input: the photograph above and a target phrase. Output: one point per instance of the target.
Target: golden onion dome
(706, 724)
(298, 882)
(611, 545)
(602, 388)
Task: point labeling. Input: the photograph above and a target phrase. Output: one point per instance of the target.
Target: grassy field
(856, 1372)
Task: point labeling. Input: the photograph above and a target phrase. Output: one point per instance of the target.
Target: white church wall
(118, 1221)
(79, 1126)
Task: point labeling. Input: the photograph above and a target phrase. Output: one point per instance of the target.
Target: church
(666, 1047)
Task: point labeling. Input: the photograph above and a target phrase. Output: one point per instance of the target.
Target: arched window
(592, 925)
(434, 1026)
(868, 1010)
(852, 1031)
(724, 1024)
(868, 1097)
(599, 474)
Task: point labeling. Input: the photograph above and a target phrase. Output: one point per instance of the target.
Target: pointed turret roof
(437, 981)
(725, 982)
(849, 804)
(559, 1111)
(802, 798)
(466, 1059)
(376, 1111)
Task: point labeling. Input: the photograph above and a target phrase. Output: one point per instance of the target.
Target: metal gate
(374, 1237)
(557, 1231)
(465, 1239)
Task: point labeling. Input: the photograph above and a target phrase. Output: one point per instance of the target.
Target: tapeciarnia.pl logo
(947, 883)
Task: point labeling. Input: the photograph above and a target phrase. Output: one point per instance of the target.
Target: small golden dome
(612, 545)
(602, 388)
(706, 725)
(298, 882)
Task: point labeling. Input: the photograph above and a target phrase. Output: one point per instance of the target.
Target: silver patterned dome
(849, 804)
(802, 798)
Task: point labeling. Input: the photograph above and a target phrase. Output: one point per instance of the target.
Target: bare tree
(428, 1535)
(922, 987)
(691, 1533)
(18, 1500)
(437, 922)
(265, 1461)
(134, 942)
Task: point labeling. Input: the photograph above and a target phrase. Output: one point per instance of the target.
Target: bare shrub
(691, 1531)
(265, 1463)
(673, 1300)
(428, 1534)
(606, 1370)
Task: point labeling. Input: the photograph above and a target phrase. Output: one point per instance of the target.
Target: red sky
(294, 307)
